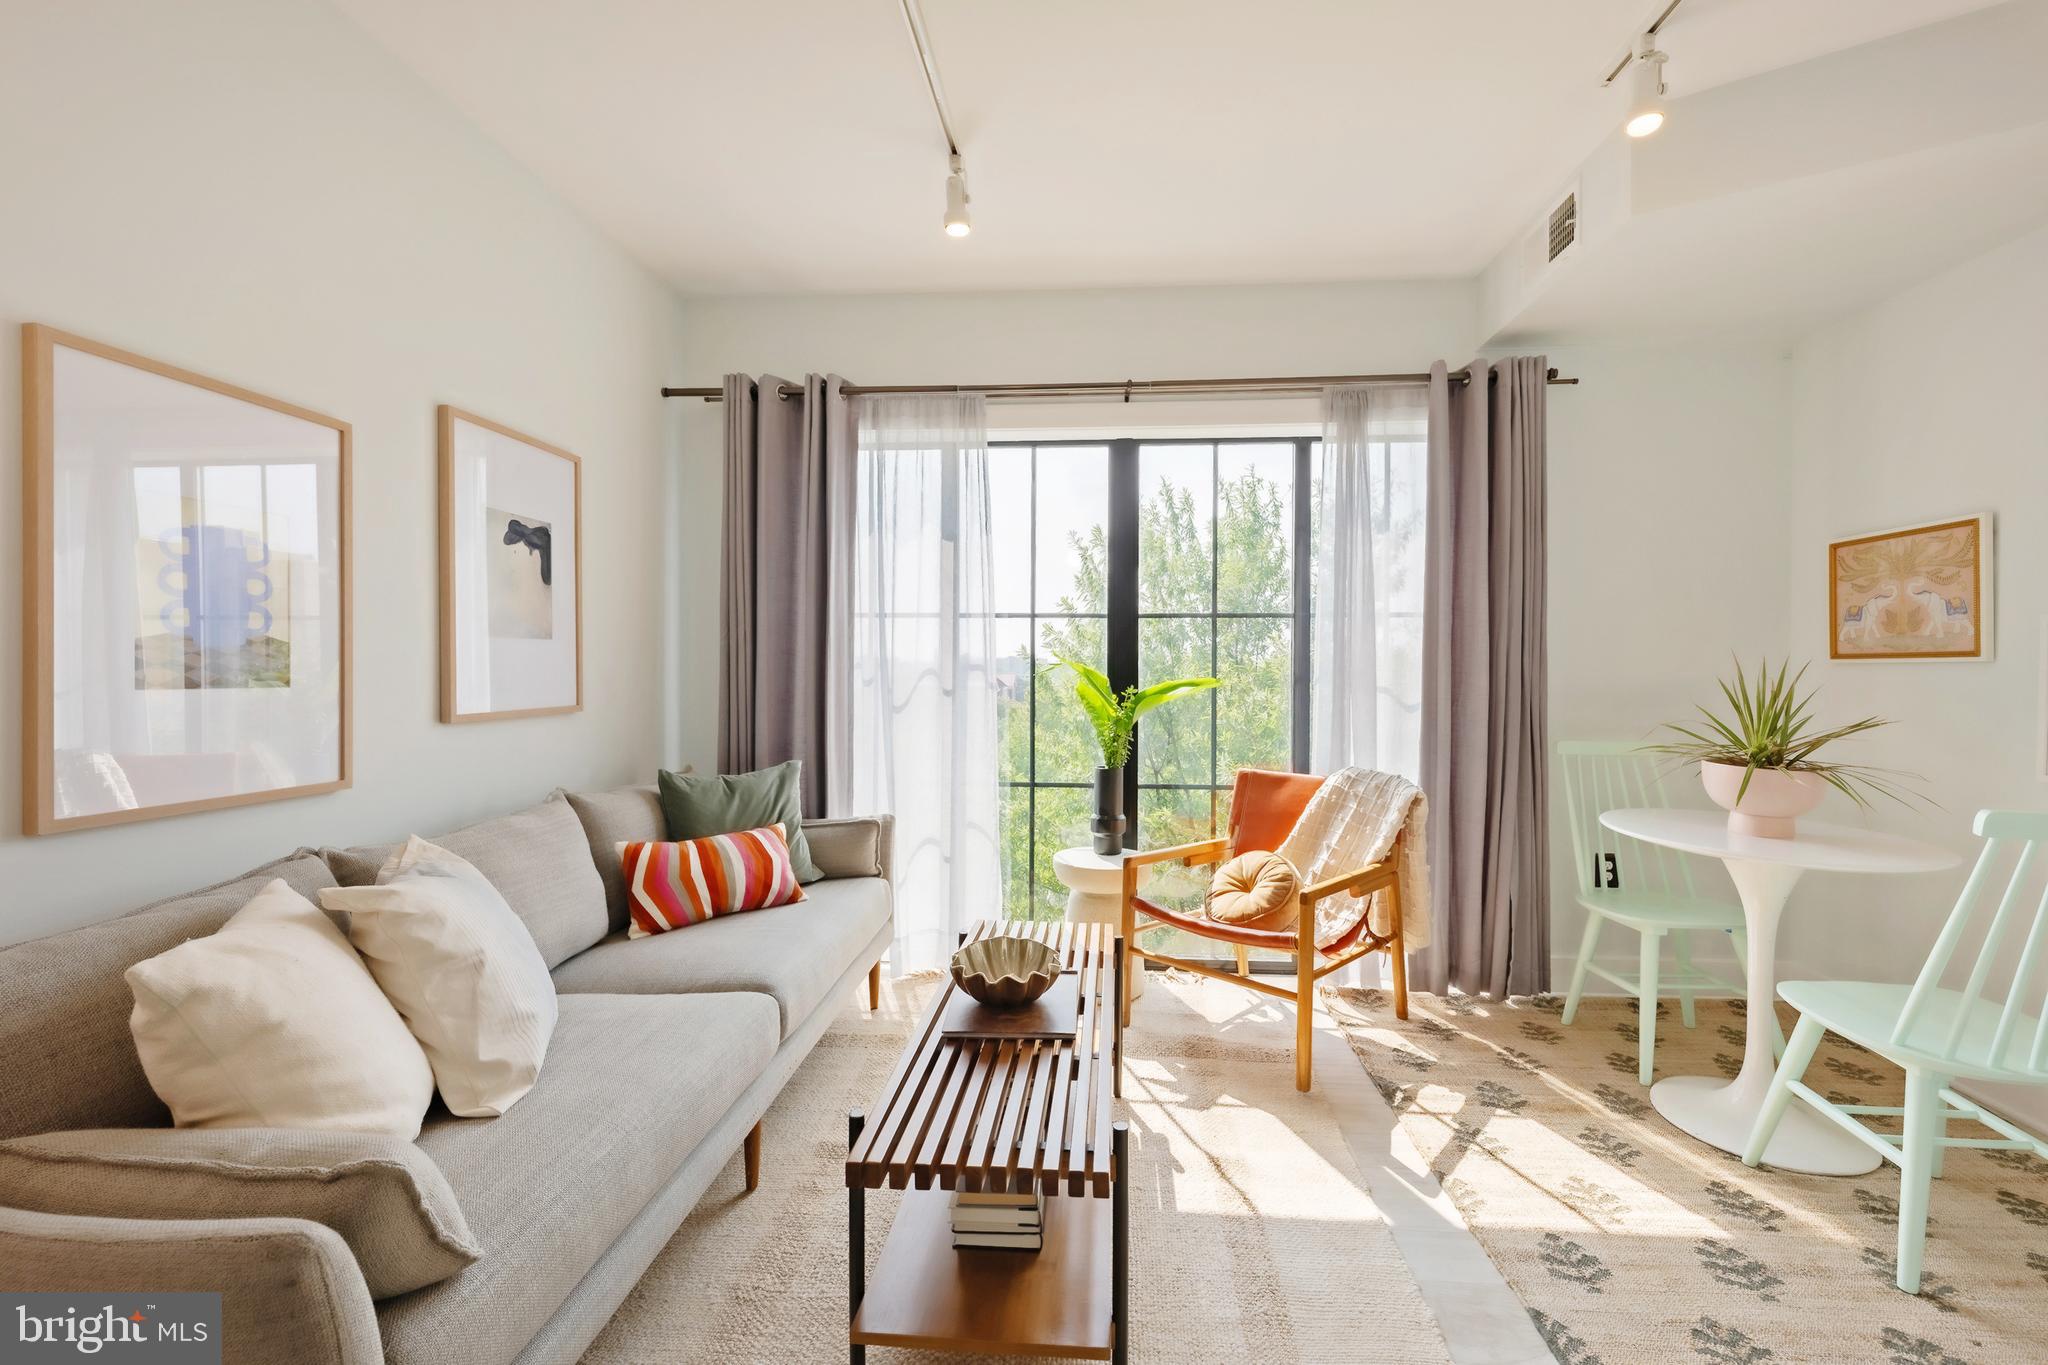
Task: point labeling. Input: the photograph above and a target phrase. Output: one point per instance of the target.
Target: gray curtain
(1485, 682)
(774, 581)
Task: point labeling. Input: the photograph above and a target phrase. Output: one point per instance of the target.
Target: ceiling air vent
(1564, 226)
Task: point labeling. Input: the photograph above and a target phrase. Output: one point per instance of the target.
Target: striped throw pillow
(674, 885)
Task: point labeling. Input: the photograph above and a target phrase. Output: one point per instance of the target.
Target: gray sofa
(667, 1053)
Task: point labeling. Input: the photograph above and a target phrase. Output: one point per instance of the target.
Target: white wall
(1925, 406)
(253, 190)
(1668, 532)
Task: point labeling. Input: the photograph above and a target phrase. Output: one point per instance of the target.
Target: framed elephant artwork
(186, 591)
(511, 573)
(1916, 592)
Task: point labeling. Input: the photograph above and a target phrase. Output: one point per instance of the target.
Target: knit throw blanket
(1352, 822)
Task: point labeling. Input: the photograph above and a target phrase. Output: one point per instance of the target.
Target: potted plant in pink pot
(1757, 762)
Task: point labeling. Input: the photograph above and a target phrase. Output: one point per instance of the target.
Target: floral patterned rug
(1629, 1241)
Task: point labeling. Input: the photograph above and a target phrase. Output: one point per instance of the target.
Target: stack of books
(1012, 1222)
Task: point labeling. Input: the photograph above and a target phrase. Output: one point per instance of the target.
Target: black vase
(1108, 824)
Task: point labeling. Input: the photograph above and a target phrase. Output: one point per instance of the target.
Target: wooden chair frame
(1382, 876)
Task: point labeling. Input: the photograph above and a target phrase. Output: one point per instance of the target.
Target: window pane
(1067, 750)
(1063, 814)
(1168, 817)
(1015, 819)
(1173, 739)
(1176, 497)
(1255, 527)
(1013, 699)
(1072, 535)
(1009, 489)
(1255, 706)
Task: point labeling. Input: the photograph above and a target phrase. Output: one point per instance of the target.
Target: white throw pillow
(463, 970)
(274, 1022)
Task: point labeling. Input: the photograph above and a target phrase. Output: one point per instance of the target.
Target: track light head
(1645, 88)
(958, 224)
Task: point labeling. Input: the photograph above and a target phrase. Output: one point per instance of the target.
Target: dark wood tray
(1056, 1014)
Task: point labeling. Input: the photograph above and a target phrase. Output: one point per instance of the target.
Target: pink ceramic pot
(1771, 808)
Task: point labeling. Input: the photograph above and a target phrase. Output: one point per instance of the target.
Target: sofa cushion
(461, 968)
(67, 1006)
(793, 952)
(695, 805)
(851, 846)
(675, 885)
(274, 1021)
(623, 815)
(382, 1194)
(539, 860)
(632, 1085)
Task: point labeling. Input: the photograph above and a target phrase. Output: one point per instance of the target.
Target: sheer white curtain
(911, 707)
(1371, 504)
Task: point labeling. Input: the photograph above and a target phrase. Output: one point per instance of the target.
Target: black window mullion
(1122, 641)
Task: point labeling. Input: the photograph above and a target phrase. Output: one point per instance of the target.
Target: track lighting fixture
(957, 222)
(1645, 88)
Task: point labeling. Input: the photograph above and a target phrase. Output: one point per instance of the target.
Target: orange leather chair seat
(1280, 940)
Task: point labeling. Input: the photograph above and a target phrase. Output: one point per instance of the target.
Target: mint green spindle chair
(1935, 1034)
(1656, 896)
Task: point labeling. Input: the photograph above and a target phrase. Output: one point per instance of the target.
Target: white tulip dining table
(1721, 1112)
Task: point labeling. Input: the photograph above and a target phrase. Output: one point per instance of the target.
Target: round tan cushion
(1255, 891)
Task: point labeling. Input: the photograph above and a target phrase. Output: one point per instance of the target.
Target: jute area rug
(1253, 1237)
(1629, 1241)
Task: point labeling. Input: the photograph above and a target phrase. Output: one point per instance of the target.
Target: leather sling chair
(1263, 809)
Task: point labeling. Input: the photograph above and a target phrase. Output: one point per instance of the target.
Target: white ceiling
(1787, 197)
(783, 146)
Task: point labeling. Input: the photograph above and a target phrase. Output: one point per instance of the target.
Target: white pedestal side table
(1095, 893)
(1764, 872)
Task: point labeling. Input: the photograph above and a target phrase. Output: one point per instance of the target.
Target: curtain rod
(1129, 388)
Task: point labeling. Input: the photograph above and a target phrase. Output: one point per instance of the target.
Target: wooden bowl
(1006, 973)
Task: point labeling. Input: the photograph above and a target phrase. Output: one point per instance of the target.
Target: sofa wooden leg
(752, 1151)
(875, 985)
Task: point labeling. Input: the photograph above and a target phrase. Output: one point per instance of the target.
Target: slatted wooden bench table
(1000, 1117)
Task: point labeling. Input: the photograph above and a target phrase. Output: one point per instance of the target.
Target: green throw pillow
(698, 806)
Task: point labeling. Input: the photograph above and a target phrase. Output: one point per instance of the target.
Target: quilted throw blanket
(1352, 822)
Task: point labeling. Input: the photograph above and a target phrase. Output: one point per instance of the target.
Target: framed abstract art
(1916, 592)
(185, 591)
(511, 573)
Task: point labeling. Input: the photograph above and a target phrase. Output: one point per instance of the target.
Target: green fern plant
(1114, 715)
(1768, 727)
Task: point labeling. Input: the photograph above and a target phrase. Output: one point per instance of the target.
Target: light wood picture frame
(1917, 593)
(511, 627)
(187, 627)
